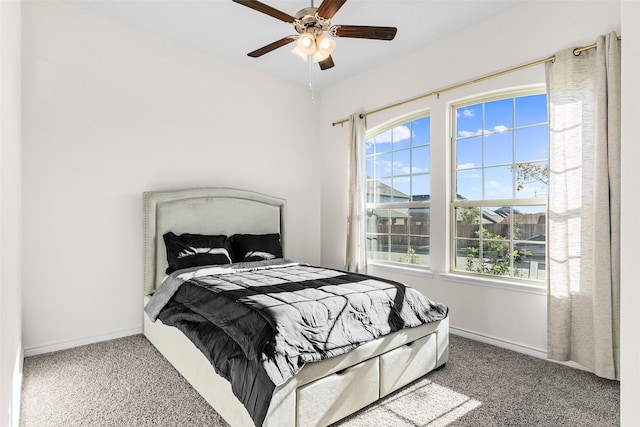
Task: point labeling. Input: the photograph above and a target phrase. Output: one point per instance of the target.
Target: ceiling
(230, 30)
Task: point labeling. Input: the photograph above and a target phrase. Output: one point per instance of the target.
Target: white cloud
(468, 113)
(496, 129)
(466, 133)
(468, 165)
(400, 133)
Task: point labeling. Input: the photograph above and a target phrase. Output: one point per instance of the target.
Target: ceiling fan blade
(365, 32)
(328, 8)
(327, 63)
(271, 46)
(261, 7)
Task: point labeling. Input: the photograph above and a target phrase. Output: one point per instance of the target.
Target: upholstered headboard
(204, 211)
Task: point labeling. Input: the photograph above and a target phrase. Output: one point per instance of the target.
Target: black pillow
(194, 250)
(256, 247)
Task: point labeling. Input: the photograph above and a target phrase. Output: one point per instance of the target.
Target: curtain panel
(584, 207)
(356, 257)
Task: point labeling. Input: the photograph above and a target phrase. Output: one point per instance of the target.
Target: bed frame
(322, 392)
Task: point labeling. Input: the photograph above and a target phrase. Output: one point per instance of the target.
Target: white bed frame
(322, 392)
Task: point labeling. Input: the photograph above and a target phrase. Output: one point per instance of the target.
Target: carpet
(126, 382)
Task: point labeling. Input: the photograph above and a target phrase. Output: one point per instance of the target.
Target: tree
(470, 215)
(527, 173)
(496, 257)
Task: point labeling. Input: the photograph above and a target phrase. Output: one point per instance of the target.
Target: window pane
(498, 115)
(401, 162)
(418, 250)
(399, 248)
(370, 166)
(419, 221)
(469, 153)
(378, 246)
(531, 109)
(469, 184)
(532, 143)
(378, 221)
(421, 129)
(532, 180)
(401, 136)
(420, 186)
(469, 121)
(369, 146)
(467, 222)
(530, 241)
(383, 165)
(401, 189)
(498, 183)
(498, 149)
(495, 223)
(421, 160)
(530, 223)
(383, 190)
(466, 254)
(399, 221)
(383, 142)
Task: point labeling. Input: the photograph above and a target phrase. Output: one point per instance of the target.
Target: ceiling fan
(313, 25)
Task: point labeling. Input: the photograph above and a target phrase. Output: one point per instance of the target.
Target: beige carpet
(126, 382)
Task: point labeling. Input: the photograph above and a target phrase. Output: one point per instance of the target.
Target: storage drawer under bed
(333, 397)
(407, 363)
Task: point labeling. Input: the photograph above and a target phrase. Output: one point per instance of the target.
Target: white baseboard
(530, 351)
(48, 348)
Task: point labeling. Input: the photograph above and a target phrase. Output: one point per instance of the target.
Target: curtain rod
(437, 93)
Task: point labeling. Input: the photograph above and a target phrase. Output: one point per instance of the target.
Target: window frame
(377, 130)
(454, 203)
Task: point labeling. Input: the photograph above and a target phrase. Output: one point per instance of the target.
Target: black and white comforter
(259, 323)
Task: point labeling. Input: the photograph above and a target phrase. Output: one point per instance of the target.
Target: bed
(322, 392)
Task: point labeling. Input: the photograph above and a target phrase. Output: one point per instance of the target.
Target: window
(500, 186)
(398, 191)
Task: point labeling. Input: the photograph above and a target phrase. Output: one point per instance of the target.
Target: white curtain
(356, 258)
(584, 207)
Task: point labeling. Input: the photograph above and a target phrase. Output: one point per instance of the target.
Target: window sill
(414, 271)
(499, 284)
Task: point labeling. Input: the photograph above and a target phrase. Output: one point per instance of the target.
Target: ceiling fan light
(324, 48)
(325, 44)
(300, 54)
(306, 43)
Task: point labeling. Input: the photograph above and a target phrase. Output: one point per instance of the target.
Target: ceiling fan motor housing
(307, 21)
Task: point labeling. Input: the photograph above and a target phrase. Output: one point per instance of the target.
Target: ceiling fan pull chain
(313, 98)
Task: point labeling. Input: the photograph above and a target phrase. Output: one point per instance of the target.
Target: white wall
(110, 112)
(10, 238)
(630, 292)
(525, 33)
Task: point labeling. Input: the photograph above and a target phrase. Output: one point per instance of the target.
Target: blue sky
(506, 132)
(492, 135)
(401, 151)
